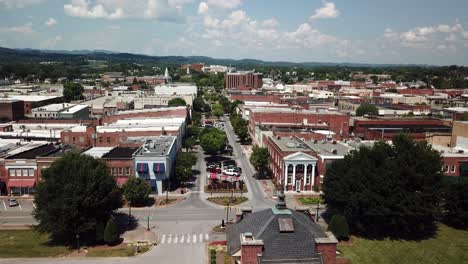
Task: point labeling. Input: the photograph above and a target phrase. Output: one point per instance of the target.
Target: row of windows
(448, 169)
(21, 172)
(120, 171)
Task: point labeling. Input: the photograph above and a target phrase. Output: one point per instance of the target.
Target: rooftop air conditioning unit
(334, 151)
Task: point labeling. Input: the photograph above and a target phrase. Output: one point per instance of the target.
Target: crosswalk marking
(184, 238)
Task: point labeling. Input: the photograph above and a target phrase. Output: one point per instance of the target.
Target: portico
(299, 172)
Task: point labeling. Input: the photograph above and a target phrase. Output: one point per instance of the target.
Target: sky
(361, 31)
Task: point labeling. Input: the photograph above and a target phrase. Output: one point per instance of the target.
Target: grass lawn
(113, 252)
(449, 246)
(227, 200)
(310, 200)
(28, 244)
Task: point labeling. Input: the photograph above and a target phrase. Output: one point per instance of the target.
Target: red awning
(21, 183)
(121, 180)
(213, 176)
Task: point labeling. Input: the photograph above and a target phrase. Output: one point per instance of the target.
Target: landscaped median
(310, 200)
(218, 253)
(209, 189)
(228, 200)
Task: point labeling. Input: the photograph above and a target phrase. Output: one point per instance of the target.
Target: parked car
(12, 202)
(231, 172)
(214, 170)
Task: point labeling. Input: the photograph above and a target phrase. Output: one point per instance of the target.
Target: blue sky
(367, 31)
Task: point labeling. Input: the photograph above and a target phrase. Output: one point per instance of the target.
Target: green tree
(463, 117)
(183, 166)
(367, 109)
(199, 104)
(217, 110)
(77, 193)
(177, 102)
(212, 140)
(100, 229)
(456, 204)
(136, 191)
(72, 91)
(388, 190)
(188, 143)
(111, 233)
(339, 227)
(260, 159)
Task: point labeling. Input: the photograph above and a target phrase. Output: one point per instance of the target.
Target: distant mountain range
(35, 55)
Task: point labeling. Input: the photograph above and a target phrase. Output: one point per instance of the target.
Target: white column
(294, 177)
(286, 167)
(313, 174)
(304, 179)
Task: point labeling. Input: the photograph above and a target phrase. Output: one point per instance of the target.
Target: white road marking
(201, 237)
(4, 205)
(188, 238)
(169, 240)
(194, 238)
(21, 208)
(34, 205)
(163, 239)
(182, 239)
(207, 237)
(176, 238)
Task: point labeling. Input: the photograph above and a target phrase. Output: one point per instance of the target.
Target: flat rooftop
(156, 147)
(53, 107)
(75, 109)
(328, 148)
(33, 98)
(120, 153)
(97, 152)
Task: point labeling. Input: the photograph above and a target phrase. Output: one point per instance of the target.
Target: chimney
(251, 248)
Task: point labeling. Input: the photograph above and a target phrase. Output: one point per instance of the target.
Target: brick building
(318, 119)
(120, 162)
(279, 235)
(11, 109)
(246, 80)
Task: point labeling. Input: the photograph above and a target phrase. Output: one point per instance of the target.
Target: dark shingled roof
(279, 247)
(35, 152)
(120, 153)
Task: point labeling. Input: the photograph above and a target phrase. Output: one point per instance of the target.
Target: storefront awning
(21, 183)
(142, 167)
(159, 168)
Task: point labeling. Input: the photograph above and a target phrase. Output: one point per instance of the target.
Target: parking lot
(24, 205)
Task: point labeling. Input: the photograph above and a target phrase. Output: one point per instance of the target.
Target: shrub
(111, 234)
(339, 227)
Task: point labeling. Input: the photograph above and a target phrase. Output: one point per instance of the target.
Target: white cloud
(225, 4)
(165, 10)
(465, 34)
(25, 29)
(328, 10)
(114, 27)
(51, 22)
(270, 23)
(8, 4)
(203, 8)
(444, 28)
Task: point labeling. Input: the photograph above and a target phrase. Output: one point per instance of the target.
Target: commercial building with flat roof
(11, 109)
(243, 80)
(61, 111)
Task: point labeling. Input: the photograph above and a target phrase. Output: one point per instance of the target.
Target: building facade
(243, 80)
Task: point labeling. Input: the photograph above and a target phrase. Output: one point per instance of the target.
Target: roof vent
(334, 151)
(461, 151)
(334, 142)
(315, 141)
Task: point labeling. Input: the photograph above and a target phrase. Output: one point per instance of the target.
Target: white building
(176, 89)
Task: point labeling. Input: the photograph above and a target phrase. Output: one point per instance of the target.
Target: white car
(231, 172)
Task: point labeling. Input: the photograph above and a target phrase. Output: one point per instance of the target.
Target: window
(25, 172)
(113, 171)
(73, 139)
(81, 139)
(100, 139)
(12, 172)
(289, 179)
(31, 172)
(446, 168)
(454, 167)
(65, 139)
(108, 140)
(18, 172)
(127, 171)
(120, 171)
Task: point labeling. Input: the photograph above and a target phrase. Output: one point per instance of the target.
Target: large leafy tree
(183, 166)
(367, 109)
(240, 127)
(212, 140)
(217, 110)
(259, 159)
(136, 191)
(76, 194)
(388, 190)
(456, 203)
(72, 91)
(177, 102)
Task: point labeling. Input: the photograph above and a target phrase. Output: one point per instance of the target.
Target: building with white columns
(300, 165)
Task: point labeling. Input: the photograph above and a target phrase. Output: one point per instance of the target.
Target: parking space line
(4, 205)
(19, 204)
(34, 205)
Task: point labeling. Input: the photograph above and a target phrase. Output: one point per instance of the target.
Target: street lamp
(78, 242)
(129, 211)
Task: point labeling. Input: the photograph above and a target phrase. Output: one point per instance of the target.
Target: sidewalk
(140, 234)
